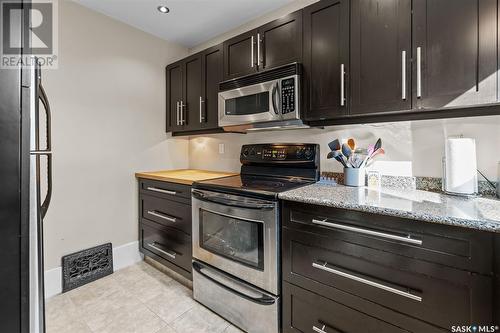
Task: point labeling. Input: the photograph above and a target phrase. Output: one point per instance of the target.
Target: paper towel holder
(443, 185)
(449, 181)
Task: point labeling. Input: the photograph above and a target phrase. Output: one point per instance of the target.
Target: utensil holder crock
(354, 177)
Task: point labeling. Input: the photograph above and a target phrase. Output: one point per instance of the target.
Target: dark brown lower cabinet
(359, 280)
(165, 224)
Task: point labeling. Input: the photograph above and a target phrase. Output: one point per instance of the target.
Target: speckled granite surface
(475, 213)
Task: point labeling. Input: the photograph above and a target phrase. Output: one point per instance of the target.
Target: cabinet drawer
(446, 245)
(436, 294)
(165, 189)
(169, 244)
(166, 212)
(306, 312)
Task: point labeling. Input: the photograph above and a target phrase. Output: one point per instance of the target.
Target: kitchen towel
(460, 169)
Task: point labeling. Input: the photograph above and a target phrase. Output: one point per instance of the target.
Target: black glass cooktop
(262, 186)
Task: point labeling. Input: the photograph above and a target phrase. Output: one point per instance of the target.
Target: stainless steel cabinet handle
(258, 49)
(342, 83)
(168, 254)
(162, 216)
(177, 105)
(160, 190)
(319, 330)
(403, 75)
(183, 121)
(202, 119)
(409, 240)
(324, 267)
(251, 53)
(419, 72)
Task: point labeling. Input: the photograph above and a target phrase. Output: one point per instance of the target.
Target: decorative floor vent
(86, 266)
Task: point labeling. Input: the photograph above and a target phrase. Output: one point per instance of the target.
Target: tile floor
(137, 299)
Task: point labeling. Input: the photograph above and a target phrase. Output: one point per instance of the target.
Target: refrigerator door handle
(46, 202)
(45, 101)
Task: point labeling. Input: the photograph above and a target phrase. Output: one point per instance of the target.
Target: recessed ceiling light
(163, 9)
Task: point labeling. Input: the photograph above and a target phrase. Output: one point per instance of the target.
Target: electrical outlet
(222, 148)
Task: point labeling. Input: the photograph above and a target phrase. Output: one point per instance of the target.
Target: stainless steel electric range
(236, 233)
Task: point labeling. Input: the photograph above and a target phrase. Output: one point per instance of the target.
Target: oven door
(238, 235)
(250, 104)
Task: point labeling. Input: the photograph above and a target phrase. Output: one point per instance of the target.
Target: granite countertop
(475, 213)
(182, 176)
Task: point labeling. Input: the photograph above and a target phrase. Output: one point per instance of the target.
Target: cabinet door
(280, 41)
(240, 56)
(455, 47)
(380, 56)
(192, 93)
(174, 96)
(326, 53)
(212, 75)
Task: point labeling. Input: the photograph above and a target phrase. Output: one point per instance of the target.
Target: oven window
(246, 105)
(236, 239)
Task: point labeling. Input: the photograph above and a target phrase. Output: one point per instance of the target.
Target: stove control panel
(279, 153)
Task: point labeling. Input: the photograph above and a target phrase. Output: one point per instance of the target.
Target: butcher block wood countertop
(183, 176)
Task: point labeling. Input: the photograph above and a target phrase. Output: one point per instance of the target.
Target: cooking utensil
(351, 143)
(346, 150)
(334, 145)
(339, 157)
(378, 145)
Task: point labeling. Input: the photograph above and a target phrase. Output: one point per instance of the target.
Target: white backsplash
(412, 148)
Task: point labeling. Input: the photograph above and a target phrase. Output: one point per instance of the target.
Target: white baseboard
(123, 256)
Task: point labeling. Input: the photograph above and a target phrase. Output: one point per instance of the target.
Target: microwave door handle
(274, 95)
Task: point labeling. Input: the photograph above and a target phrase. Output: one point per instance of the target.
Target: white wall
(412, 148)
(108, 108)
(268, 17)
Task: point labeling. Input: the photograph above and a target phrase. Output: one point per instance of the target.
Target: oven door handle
(248, 203)
(263, 300)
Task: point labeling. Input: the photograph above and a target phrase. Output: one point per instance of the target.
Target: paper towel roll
(460, 166)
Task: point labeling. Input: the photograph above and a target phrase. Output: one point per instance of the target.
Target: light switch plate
(222, 148)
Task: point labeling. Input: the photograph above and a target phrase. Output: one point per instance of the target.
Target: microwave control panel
(288, 95)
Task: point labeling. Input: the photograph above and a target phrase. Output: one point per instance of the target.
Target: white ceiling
(190, 22)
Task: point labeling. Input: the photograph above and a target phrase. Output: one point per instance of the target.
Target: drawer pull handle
(409, 240)
(162, 216)
(155, 189)
(365, 281)
(169, 254)
(319, 330)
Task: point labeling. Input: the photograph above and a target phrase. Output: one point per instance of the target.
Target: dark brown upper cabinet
(174, 96)
(455, 53)
(326, 59)
(212, 65)
(380, 56)
(192, 92)
(192, 86)
(240, 55)
(274, 44)
(280, 42)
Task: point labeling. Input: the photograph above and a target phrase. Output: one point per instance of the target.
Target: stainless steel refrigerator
(25, 192)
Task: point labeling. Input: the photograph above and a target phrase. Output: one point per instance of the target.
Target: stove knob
(300, 153)
(245, 152)
(308, 153)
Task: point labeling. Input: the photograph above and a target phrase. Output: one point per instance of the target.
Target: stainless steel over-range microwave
(271, 96)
